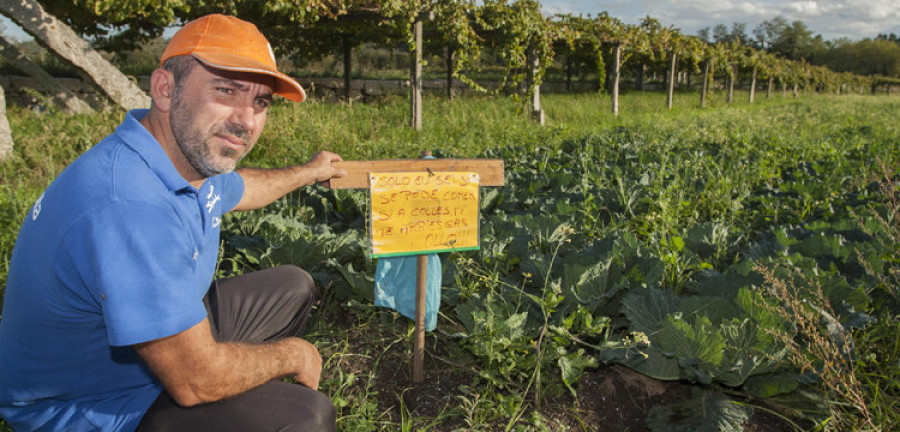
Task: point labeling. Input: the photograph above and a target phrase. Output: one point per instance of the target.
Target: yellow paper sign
(423, 212)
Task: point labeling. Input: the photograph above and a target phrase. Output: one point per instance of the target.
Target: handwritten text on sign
(421, 212)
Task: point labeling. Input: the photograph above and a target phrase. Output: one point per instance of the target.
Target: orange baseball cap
(228, 43)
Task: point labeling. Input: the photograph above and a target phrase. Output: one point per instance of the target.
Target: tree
(720, 34)
(58, 94)
(738, 33)
(62, 41)
(6, 140)
(794, 42)
(767, 32)
(703, 34)
(893, 37)
(865, 57)
(116, 25)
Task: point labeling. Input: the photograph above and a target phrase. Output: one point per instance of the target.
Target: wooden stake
(419, 334)
(617, 64)
(421, 293)
(415, 88)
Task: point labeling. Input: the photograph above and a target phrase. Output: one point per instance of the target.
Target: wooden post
(671, 90)
(617, 60)
(753, 84)
(730, 77)
(415, 88)
(418, 363)
(536, 112)
(704, 84)
(419, 333)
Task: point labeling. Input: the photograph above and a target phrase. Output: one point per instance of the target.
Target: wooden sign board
(458, 210)
(415, 213)
(490, 170)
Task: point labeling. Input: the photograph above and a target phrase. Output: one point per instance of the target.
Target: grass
(367, 350)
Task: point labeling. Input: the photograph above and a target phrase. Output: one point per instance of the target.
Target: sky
(833, 19)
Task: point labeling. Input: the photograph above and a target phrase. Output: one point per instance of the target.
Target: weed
(817, 342)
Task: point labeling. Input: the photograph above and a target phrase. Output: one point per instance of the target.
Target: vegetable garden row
(752, 256)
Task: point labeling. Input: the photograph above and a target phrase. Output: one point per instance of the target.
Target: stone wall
(30, 93)
(328, 89)
(371, 89)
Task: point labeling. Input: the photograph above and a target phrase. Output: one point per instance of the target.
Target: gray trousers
(256, 307)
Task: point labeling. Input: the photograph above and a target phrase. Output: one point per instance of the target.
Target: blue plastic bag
(395, 287)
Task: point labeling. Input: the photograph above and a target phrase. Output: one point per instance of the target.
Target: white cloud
(832, 19)
(805, 8)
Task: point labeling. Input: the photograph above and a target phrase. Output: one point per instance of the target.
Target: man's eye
(263, 103)
(225, 90)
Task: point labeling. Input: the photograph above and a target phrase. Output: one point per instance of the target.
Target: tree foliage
(512, 34)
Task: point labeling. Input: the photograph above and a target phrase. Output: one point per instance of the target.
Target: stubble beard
(194, 145)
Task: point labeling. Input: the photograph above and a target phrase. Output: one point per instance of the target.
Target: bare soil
(609, 398)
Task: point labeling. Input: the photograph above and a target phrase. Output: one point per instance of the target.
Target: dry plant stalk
(889, 236)
(817, 343)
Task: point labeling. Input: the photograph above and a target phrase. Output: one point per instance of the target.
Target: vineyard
(513, 40)
(745, 256)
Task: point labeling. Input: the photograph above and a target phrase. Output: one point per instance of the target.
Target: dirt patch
(617, 398)
(440, 393)
(609, 398)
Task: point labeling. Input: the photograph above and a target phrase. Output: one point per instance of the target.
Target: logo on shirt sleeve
(212, 199)
(36, 210)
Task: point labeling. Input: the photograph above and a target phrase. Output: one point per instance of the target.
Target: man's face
(217, 117)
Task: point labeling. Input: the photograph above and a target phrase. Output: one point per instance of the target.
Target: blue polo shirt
(119, 250)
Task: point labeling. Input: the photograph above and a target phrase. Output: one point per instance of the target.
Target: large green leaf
(717, 309)
(743, 357)
(697, 344)
(770, 385)
(647, 308)
(592, 285)
(707, 411)
(650, 361)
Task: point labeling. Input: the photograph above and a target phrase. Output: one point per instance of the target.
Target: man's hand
(310, 365)
(321, 166)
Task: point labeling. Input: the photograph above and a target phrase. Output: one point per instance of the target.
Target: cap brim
(285, 86)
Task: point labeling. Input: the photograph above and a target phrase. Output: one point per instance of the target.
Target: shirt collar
(136, 136)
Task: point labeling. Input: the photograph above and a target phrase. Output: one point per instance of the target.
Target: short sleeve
(138, 262)
(232, 187)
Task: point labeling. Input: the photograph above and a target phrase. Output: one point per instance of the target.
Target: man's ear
(162, 88)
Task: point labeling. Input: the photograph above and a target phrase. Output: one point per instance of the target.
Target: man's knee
(297, 282)
(325, 416)
(315, 413)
